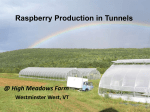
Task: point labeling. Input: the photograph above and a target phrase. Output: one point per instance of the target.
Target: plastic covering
(91, 73)
(59, 73)
(133, 78)
(133, 61)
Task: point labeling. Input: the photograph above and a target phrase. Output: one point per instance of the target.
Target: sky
(16, 35)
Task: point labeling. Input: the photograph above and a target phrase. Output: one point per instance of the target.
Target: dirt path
(16, 82)
(67, 104)
(70, 104)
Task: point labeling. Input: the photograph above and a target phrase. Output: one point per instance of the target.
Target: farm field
(77, 101)
(12, 62)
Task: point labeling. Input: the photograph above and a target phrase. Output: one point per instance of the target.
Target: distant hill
(14, 61)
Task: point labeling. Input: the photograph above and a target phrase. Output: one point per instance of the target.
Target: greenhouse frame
(60, 74)
(90, 73)
(127, 79)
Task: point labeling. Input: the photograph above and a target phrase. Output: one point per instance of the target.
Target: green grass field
(12, 62)
(77, 101)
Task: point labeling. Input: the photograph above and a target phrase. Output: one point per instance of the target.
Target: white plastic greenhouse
(127, 79)
(58, 73)
(90, 73)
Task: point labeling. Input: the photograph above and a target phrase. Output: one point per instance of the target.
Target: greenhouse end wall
(129, 82)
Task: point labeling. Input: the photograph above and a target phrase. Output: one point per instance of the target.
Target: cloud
(2, 51)
(18, 35)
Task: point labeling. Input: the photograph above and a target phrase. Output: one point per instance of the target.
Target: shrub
(106, 96)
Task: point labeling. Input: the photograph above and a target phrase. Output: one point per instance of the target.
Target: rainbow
(82, 26)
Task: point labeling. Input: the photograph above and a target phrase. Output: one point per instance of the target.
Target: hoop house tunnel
(127, 80)
(90, 73)
(58, 73)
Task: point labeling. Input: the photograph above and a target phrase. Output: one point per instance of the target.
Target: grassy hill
(14, 61)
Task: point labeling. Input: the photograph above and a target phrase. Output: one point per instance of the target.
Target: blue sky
(16, 35)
